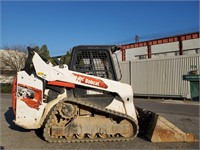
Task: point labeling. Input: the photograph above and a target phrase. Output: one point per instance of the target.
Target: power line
(138, 38)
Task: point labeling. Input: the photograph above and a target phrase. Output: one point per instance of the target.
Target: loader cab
(95, 60)
(99, 61)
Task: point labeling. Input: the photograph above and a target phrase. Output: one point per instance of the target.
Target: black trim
(29, 68)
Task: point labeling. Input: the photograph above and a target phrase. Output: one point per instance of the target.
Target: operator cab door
(97, 61)
(93, 60)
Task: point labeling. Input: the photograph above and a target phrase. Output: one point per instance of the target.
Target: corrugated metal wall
(160, 77)
(125, 70)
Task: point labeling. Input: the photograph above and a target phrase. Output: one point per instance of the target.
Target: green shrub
(6, 88)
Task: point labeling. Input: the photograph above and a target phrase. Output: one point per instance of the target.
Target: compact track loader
(84, 101)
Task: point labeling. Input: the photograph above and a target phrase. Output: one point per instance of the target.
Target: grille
(94, 62)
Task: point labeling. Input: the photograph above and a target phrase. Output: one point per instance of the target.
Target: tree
(13, 57)
(66, 58)
(12, 60)
(16, 47)
(44, 51)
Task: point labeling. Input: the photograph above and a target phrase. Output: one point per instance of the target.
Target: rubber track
(75, 140)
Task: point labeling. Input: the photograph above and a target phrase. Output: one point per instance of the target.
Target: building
(184, 44)
(165, 67)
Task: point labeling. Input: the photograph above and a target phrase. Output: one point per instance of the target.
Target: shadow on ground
(9, 117)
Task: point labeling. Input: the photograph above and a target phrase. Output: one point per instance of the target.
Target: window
(198, 51)
(176, 53)
(142, 57)
(94, 62)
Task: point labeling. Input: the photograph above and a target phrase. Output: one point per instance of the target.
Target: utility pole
(136, 39)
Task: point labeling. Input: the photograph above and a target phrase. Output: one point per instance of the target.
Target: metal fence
(160, 77)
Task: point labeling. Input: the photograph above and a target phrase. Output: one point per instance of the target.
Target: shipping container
(161, 77)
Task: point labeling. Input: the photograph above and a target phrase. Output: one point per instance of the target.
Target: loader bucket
(158, 129)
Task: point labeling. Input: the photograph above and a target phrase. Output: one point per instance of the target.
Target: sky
(62, 25)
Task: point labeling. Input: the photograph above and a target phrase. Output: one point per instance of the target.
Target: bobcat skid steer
(84, 102)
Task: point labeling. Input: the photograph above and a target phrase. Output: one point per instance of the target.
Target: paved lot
(185, 115)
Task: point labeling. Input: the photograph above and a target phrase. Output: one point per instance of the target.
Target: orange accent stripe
(36, 101)
(14, 87)
(60, 83)
(32, 103)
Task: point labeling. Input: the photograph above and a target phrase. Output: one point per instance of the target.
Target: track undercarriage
(72, 120)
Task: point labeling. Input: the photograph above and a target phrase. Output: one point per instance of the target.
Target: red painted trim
(189, 36)
(123, 54)
(32, 103)
(60, 83)
(36, 101)
(14, 88)
(180, 46)
(149, 50)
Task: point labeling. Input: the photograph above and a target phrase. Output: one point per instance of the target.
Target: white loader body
(32, 117)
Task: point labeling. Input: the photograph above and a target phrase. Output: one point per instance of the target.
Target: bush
(6, 88)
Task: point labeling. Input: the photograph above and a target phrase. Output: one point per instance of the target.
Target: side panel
(124, 91)
(50, 73)
(29, 104)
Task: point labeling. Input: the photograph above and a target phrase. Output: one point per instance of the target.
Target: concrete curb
(183, 102)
